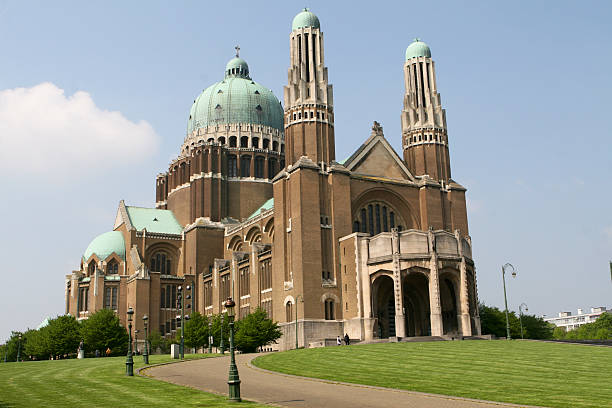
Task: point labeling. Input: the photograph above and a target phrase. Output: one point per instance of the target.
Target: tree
(11, 346)
(256, 330)
(600, 329)
(103, 330)
(157, 341)
(536, 328)
(61, 336)
(37, 344)
(492, 320)
(216, 330)
(196, 331)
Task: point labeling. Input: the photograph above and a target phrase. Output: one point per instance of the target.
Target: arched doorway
(384, 307)
(448, 302)
(416, 304)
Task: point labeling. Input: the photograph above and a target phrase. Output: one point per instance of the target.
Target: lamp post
(136, 341)
(296, 317)
(19, 348)
(233, 380)
(129, 362)
(145, 354)
(507, 265)
(521, 316)
(182, 301)
(221, 346)
(210, 337)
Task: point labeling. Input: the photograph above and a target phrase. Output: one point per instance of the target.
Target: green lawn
(522, 372)
(99, 382)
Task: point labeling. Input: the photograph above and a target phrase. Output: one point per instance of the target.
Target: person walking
(347, 341)
(338, 341)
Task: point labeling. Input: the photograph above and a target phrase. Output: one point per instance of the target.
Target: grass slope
(99, 382)
(522, 372)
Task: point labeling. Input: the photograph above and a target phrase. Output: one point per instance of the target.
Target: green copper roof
(264, 207)
(417, 49)
(236, 99)
(105, 244)
(305, 19)
(154, 220)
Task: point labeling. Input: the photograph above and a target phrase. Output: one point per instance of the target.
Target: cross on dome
(237, 48)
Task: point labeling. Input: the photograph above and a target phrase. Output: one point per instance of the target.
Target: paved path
(289, 391)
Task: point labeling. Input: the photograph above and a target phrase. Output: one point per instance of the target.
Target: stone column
(400, 319)
(476, 313)
(435, 309)
(465, 324)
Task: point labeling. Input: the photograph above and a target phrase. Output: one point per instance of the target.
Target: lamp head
(229, 306)
(130, 313)
(188, 287)
(145, 318)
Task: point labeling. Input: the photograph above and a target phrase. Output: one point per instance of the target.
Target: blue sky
(94, 100)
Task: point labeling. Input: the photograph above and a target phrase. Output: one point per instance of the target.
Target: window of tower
(91, 269)
(255, 142)
(244, 141)
(282, 148)
(245, 166)
(271, 168)
(221, 140)
(275, 146)
(112, 268)
(289, 311)
(232, 141)
(266, 143)
(329, 309)
(299, 115)
(160, 262)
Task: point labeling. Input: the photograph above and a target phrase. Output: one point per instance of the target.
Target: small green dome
(305, 19)
(237, 67)
(417, 49)
(236, 99)
(105, 244)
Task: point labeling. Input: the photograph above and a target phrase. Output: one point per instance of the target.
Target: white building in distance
(569, 322)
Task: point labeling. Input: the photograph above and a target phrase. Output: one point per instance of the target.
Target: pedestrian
(338, 341)
(108, 352)
(347, 341)
(97, 353)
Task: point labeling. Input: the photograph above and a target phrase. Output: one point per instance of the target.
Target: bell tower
(309, 113)
(424, 135)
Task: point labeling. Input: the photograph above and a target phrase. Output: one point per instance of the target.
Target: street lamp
(234, 379)
(508, 265)
(129, 362)
(521, 316)
(296, 317)
(145, 354)
(210, 337)
(182, 302)
(19, 348)
(136, 341)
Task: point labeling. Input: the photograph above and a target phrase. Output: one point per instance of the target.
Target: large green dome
(417, 49)
(305, 19)
(236, 99)
(105, 244)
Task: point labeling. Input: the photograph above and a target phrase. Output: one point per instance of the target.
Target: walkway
(289, 391)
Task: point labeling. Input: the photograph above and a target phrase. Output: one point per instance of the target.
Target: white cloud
(45, 133)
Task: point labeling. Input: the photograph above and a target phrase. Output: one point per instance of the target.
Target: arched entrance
(383, 306)
(448, 302)
(416, 304)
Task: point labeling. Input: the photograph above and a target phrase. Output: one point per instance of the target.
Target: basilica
(257, 207)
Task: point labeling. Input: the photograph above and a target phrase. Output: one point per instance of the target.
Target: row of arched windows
(375, 218)
(161, 263)
(244, 142)
(258, 166)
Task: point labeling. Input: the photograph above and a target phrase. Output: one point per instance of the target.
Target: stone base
(174, 351)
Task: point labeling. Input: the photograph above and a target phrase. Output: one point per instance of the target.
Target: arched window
(221, 140)
(91, 268)
(271, 168)
(161, 263)
(255, 142)
(259, 167)
(112, 268)
(244, 141)
(282, 148)
(232, 141)
(374, 218)
(330, 310)
(275, 146)
(245, 166)
(232, 166)
(289, 311)
(266, 143)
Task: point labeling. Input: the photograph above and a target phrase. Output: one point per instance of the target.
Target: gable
(377, 158)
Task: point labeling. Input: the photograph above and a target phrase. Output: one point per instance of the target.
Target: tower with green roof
(424, 134)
